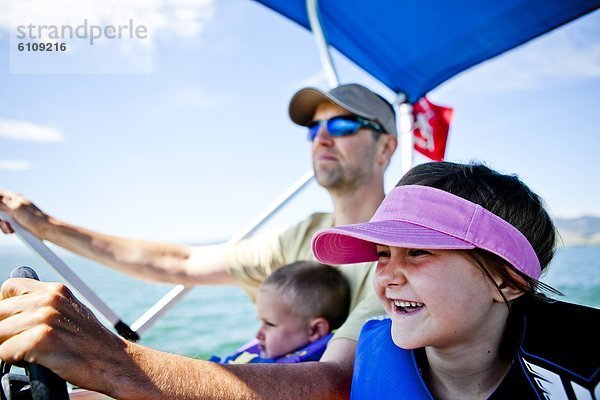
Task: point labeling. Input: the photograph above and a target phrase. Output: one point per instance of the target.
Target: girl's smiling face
(437, 298)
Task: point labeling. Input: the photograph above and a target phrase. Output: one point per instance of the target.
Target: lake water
(216, 320)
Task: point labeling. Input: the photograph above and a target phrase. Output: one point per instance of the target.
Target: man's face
(342, 163)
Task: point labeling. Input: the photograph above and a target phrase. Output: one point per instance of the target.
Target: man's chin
(327, 178)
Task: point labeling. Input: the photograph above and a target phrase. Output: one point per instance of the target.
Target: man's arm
(46, 324)
(163, 262)
(178, 377)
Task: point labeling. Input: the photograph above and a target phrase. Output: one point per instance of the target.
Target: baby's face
(282, 330)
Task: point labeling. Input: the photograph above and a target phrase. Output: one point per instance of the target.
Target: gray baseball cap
(352, 97)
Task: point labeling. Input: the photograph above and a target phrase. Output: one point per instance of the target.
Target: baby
(298, 306)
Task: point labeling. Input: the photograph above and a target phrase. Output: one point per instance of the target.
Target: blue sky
(199, 142)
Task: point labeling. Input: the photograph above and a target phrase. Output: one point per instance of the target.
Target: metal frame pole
(172, 297)
(146, 320)
(312, 9)
(70, 277)
(405, 119)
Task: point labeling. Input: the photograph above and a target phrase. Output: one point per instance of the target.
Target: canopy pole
(146, 320)
(172, 297)
(312, 9)
(406, 122)
(70, 277)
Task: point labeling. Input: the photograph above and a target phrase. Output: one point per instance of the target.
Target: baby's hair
(312, 290)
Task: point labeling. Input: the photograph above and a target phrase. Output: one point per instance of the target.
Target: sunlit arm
(44, 323)
(170, 376)
(163, 262)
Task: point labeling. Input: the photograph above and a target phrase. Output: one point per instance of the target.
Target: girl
(460, 249)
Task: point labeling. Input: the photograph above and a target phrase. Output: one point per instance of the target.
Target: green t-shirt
(252, 260)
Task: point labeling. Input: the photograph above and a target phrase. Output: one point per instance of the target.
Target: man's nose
(323, 136)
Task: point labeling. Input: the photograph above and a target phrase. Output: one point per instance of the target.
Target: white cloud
(26, 131)
(571, 53)
(14, 165)
(180, 18)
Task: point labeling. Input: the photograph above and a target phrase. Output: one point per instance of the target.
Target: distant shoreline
(582, 231)
(579, 231)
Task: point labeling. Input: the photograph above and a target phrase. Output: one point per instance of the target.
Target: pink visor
(423, 217)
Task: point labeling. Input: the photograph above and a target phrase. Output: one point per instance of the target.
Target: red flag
(431, 128)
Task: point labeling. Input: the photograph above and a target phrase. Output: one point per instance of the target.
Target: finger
(5, 197)
(43, 347)
(5, 227)
(19, 286)
(25, 346)
(38, 304)
(26, 299)
(10, 201)
(20, 321)
(10, 351)
(52, 307)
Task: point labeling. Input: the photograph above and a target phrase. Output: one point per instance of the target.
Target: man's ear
(317, 328)
(510, 292)
(387, 149)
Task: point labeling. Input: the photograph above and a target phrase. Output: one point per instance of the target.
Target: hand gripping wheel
(40, 383)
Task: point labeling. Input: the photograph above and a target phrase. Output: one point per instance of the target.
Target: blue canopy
(413, 46)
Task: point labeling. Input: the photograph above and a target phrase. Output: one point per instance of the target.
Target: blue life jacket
(250, 354)
(382, 370)
(558, 358)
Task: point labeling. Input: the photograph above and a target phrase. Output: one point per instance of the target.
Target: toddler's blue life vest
(558, 358)
(250, 354)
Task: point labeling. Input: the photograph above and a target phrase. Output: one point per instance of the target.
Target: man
(354, 136)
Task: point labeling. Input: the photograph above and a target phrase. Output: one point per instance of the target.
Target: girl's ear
(317, 328)
(510, 292)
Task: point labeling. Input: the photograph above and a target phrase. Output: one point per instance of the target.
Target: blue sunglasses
(342, 125)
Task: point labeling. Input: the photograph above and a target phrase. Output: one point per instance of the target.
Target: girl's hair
(510, 199)
(313, 290)
(504, 195)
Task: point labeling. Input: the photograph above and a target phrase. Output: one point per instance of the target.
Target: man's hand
(44, 323)
(22, 210)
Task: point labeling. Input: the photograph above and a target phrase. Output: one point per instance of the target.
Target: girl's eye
(384, 254)
(417, 252)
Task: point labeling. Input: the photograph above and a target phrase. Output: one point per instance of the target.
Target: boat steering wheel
(40, 383)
